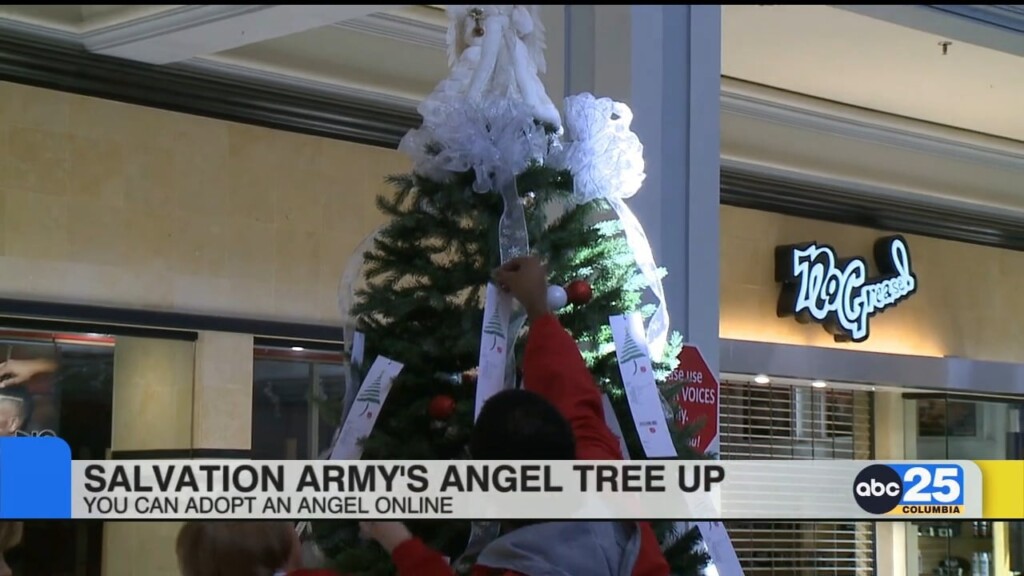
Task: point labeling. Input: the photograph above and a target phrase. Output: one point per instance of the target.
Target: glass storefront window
(964, 428)
(296, 402)
(67, 391)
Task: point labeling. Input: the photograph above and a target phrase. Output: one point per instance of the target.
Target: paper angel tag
(355, 362)
(494, 345)
(613, 424)
(365, 409)
(641, 390)
(720, 548)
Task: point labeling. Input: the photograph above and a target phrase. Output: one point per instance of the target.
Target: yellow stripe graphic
(1002, 488)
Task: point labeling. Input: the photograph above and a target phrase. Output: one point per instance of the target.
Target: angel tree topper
(496, 53)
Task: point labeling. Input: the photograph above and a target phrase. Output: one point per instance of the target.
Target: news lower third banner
(38, 480)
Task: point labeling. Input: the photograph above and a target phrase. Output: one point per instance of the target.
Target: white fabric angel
(495, 53)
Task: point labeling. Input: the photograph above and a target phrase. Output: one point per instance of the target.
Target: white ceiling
(861, 61)
(398, 52)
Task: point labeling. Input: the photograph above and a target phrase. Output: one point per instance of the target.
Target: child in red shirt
(559, 416)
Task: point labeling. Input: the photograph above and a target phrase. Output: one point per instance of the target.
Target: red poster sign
(698, 398)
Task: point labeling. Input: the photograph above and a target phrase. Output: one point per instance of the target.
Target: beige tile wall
(968, 302)
(109, 203)
(153, 394)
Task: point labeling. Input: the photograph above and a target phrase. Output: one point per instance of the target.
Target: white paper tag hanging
(613, 424)
(494, 344)
(720, 548)
(641, 390)
(357, 347)
(355, 362)
(363, 415)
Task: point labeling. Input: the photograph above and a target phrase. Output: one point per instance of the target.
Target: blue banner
(35, 478)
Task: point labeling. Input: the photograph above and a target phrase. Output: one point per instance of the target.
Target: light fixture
(819, 384)
(297, 348)
(762, 379)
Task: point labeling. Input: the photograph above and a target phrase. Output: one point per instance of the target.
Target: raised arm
(412, 557)
(553, 366)
(14, 372)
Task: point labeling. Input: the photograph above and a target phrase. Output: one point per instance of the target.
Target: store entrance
(945, 427)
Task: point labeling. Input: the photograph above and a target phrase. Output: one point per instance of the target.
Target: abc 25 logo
(909, 488)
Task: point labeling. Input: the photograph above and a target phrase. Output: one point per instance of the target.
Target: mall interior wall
(110, 204)
(113, 204)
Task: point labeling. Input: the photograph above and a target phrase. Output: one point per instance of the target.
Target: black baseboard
(155, 323)
(792, 198)
(27, 60)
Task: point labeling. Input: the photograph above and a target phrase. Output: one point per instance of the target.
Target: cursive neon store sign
(819, 287)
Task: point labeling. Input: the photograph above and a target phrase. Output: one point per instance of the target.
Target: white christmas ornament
(557, 298)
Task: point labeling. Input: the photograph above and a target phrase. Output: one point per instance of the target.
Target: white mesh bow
(606, 160)
(495, 139)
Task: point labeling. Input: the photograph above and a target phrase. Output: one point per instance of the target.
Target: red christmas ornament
(579, 292)
(442, 407)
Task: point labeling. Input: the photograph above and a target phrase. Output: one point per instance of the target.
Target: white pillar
(665, 62)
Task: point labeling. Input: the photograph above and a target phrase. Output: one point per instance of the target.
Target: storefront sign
(819, 287)
(698, 398)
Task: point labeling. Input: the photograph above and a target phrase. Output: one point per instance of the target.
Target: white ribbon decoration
(607, 162)
(494, 139)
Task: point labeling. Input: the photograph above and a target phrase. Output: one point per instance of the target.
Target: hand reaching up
(387, 534)
(526, 279)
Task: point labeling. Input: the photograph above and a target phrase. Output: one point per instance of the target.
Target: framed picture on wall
(942, 418)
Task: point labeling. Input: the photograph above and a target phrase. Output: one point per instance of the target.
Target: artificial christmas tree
(497, 176)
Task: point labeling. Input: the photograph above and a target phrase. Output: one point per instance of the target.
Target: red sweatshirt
(554, 368)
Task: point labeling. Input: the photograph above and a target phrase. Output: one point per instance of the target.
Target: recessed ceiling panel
(853, 59)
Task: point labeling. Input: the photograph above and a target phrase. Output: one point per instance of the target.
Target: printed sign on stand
(698, 398)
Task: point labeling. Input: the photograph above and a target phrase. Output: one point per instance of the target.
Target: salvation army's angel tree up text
(181, 490)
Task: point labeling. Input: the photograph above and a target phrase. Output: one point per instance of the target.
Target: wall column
(152, 413)
(175, 399)
(222, 416)
(890, 423)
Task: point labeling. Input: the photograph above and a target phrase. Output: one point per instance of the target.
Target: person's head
(237, 548)
(521, 425)
(10, 536)
(15, 409)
